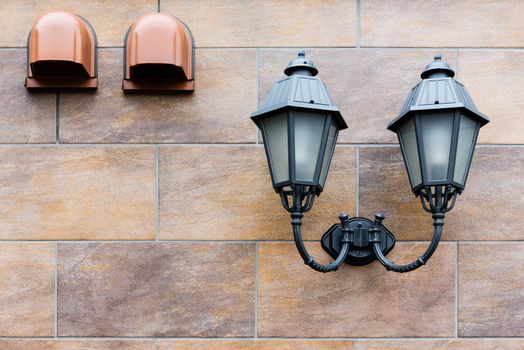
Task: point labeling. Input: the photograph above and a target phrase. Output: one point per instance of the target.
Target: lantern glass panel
(328, 153)
(276, 137)
(408, 141)
(309, 128)
(465, 145)
(437, 130)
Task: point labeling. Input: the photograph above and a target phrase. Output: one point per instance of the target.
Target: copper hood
(159, 55)
(61, 52)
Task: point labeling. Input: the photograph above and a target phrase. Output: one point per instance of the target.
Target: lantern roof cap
(301, 65)
(437, 66)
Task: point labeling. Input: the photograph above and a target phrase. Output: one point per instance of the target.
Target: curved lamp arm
(438, 222)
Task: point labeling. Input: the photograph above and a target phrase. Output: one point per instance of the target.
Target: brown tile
(26, 289)
(444, 344)
(255, 344)
(369, 92)
(221, 192)
(388, 190)
(491, 289)
(156, 289)
(218, 110)
(77, 344)
(84, 192)
(266, 24)
(108, 17)
(365, 301)
(25, 117)
(447, 23)
(493, 78)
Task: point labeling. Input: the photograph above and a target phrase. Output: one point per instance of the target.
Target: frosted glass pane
(465, 146)
(437, 130)
(408, 138)
(328, 153)
(308, 136)
(277, 142)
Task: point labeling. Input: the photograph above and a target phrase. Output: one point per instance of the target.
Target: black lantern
(437, 130)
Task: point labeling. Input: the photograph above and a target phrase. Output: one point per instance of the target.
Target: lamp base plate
(360, 250)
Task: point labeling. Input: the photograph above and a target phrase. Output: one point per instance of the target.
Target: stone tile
(254, 344)
(491, 289)
(26, 117)
(388, 190)
(267, 24)
(493, 78)
(108, 17)
(84, 192)
(365, 301)
(221, 192)
(444, 344)
(26, 289)
(445, 23)
(77, 344)
(369, 92)
(156, 289)
(218, 110)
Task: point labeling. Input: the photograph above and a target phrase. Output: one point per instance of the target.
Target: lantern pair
(437, 130)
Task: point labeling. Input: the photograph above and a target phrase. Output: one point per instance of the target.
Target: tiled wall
(133, 222)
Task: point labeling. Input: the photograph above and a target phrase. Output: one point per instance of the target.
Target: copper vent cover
(61, 52)
(159, 55)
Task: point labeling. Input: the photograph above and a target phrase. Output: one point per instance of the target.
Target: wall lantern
(61, 53)
(159, 54)
(437, 130)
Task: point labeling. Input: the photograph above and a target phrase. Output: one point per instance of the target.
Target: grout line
(57, 120)
(457, 64)
(320, 48)
(157, 192)
(227, 241)
(357, 23)
(257, 141)
(355, 347)
(218, 144)
(256, 290)
(456, 288)
(158, 6)
(56, 291)
(357, 182)
(154, 340)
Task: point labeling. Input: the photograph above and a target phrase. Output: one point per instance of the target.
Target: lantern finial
(437, 69)
(301, 66)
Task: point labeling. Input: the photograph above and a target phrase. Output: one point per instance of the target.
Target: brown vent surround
(159, 55)
(61, 52)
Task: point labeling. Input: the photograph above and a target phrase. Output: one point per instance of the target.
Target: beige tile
(156, 289)
(266, 24)
(80, 344)
(26, 289)
(493, 78)
(255, 344)
(491, 289)
(368, 85)
(444, 344)
(218, 110)
(24, 117)
(447, 23)
(109, 18)
(384, 186)
(365, 301)
(84, 192)
(221, 192)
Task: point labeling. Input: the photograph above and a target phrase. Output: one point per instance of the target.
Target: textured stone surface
(366, 301)
(221, 192)
(26, 289)
(280, 344)
(493, 78)
(77, 192)
(368, 85)
(384, 186)
(491, 289)
(218, 110)
(109, 18)
(24, 117)
(447, 23)
(80, 344)
(444, 344)
(267, 24)
(156, 289)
